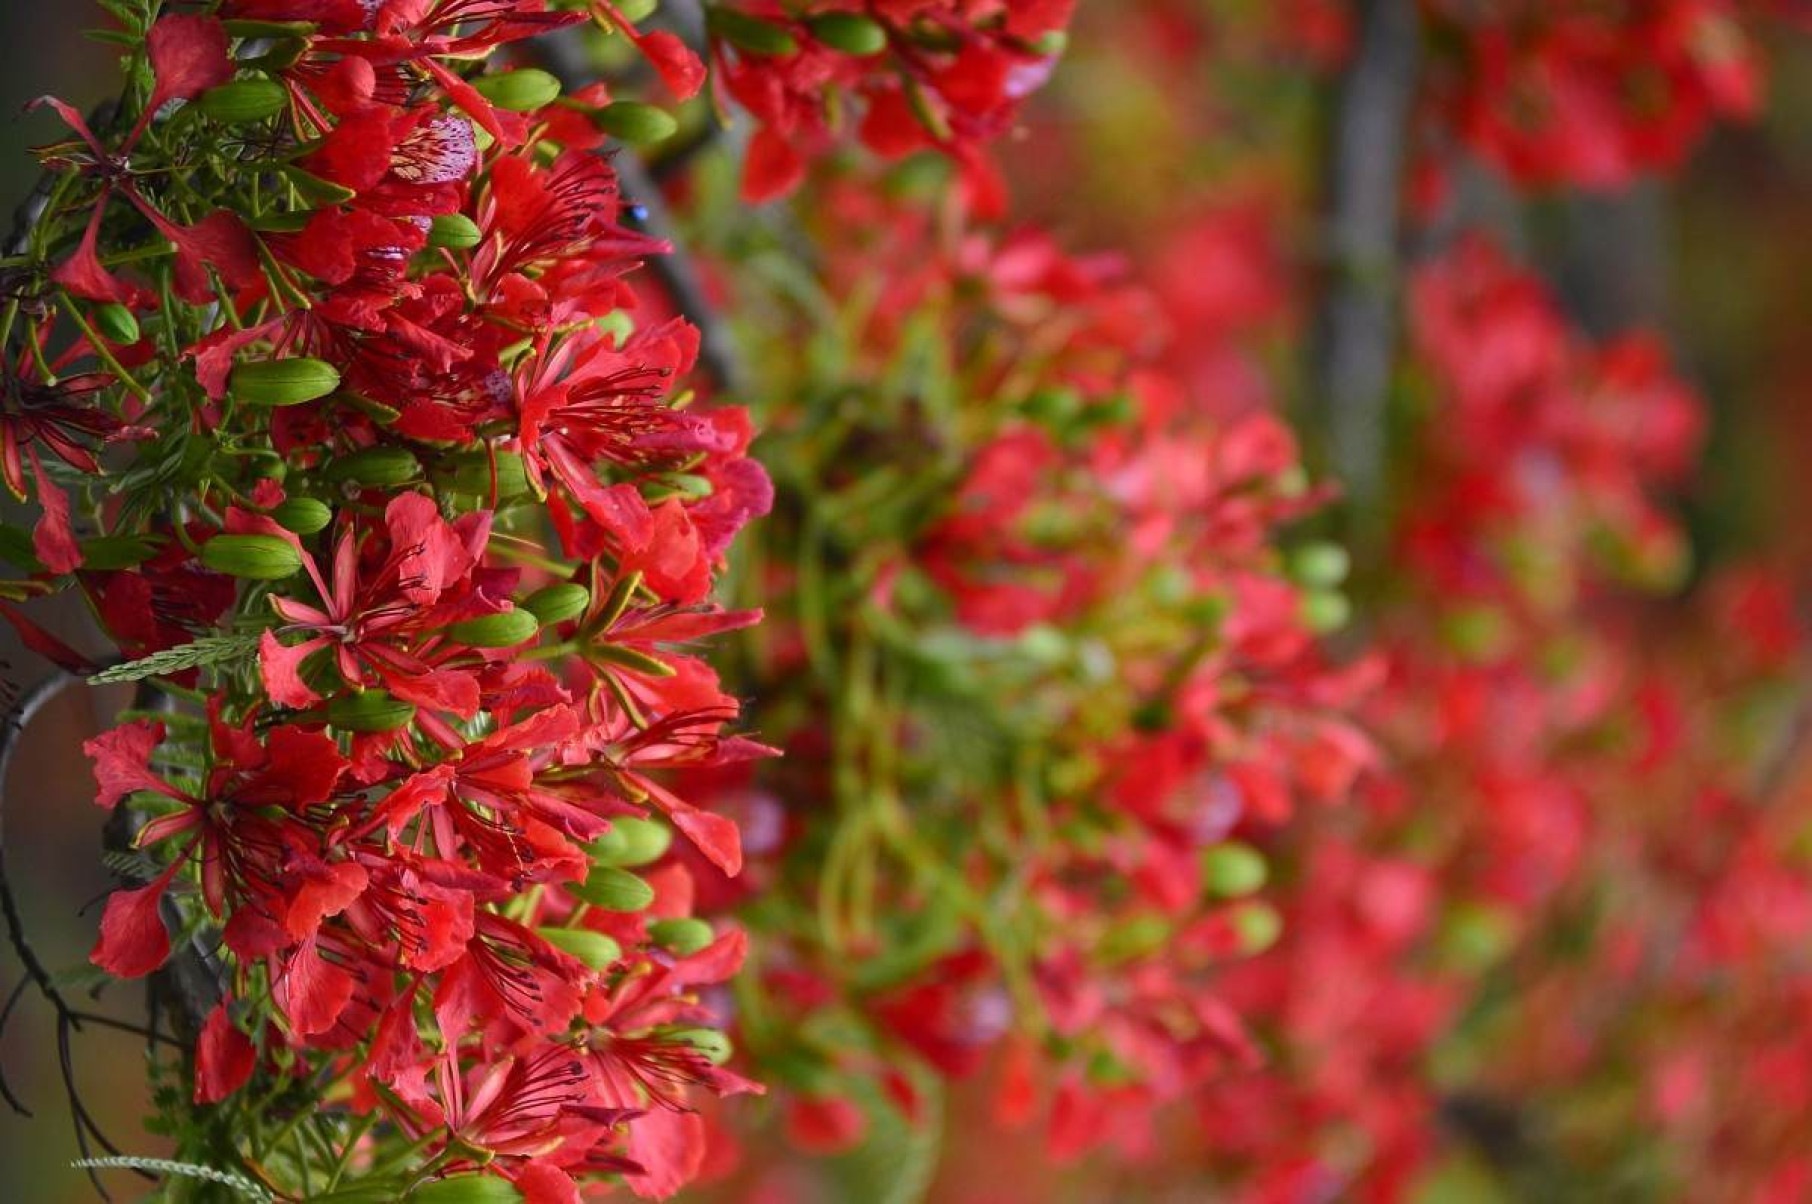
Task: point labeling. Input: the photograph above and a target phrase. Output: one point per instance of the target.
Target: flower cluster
(1588, 96)
(337, 402)
(1044, 678)
(921, 74)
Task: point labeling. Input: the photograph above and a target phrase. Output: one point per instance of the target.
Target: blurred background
(1113, 153)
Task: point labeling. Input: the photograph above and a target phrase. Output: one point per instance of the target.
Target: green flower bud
(466, 1189)
(1135, 937)
(472, 474)
(244, 100)
(117, 322)
(636, 11)
(284, 382)
(684, 935)
(750, 33)
(1258, 925)
(1476, 632)
(1233, 869)
(1324, 610)
(370, 711)
(254, 557)
(631, 841)
(557, 603)
(1053, 407)
(453, 230)
(613, 889)
(1475, 935)
(504, 629)
(593, 948)
(376, 466)
(714, 1045)
(303, 515)
(635, 122)
(852, 33)
(521, 91)
(1320, 565)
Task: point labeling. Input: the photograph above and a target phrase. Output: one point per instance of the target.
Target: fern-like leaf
(188, 1170)
(210, 650)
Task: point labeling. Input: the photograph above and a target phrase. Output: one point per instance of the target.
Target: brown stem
(1354, 348)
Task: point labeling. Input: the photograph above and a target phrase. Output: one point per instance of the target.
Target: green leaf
(211, 650)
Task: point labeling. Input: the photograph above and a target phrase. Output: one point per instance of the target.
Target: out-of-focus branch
(1356, 327)
(675, 271)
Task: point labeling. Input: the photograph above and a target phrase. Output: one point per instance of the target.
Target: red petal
(311, 991)
(544, 1183)
(716, 837)
(133, 941)
(224, 1058)
(326, 892)
(82, 273)
(53, 539)
(670, 1146)
(680, 69)
(281, 669)
(122, 761)
(189, 55)
(772, 169)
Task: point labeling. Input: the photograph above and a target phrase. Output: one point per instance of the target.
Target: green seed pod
(303, 515)
(472, 474)
(637, 123)
(593, 948)
(636, 11)
(708, 1041)
(117, 322)
(631, 841)
(852, 33)
(684, 935)
(244, 100)
(1258, 925)
(520, 91)
(1320, 565)
(1233, 869)
(751, 33)
(370, 711)
(1136, 937)
(376, 466)
(557, 603)
(284, 382)
(254, 557)
(613, 889)
(466, 1189)
(453, 230)
(504, 629)
(1325, 610)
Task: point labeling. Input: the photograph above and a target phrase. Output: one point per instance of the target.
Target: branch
(1356, 327)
